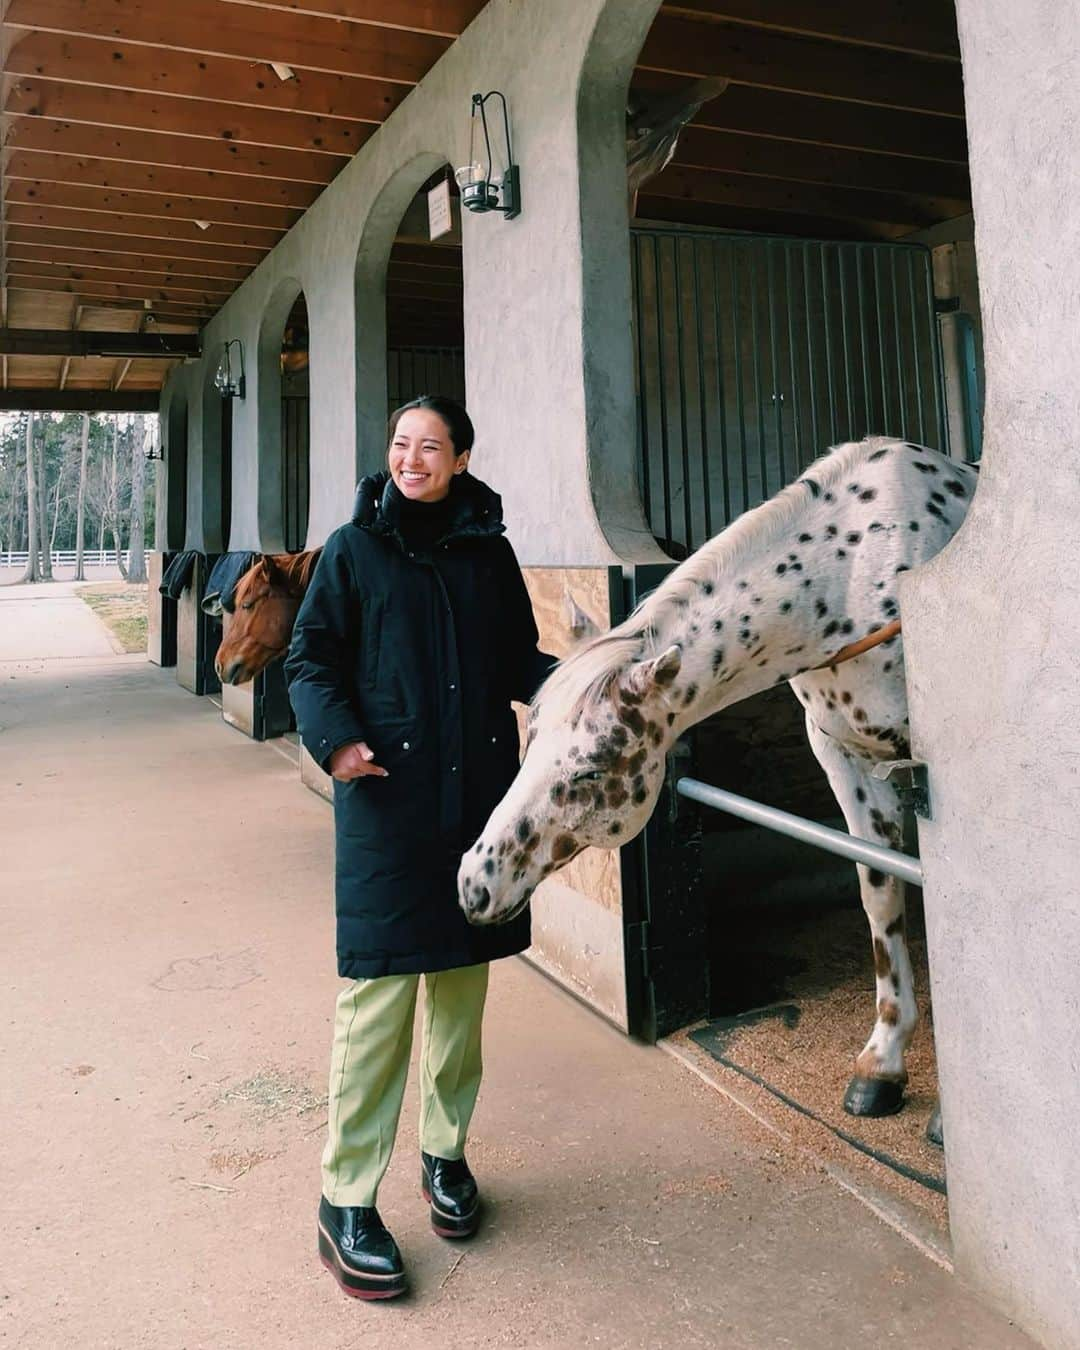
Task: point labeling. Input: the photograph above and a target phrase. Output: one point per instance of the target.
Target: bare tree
(140, 434)
(84, 455)
(33, 572)
(43, 509)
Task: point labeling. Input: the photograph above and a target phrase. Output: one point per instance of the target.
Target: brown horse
(262, 614)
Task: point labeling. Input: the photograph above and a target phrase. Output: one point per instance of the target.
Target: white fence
(65, 557)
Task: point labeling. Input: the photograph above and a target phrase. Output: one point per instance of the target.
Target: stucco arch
(174, 440)
(372, 260)
(215, 496)
(268, 413)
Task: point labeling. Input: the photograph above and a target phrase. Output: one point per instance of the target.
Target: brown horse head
(264, 608)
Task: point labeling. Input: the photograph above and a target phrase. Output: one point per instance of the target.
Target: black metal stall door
(412, 371)
(755, 354)
(295, 461)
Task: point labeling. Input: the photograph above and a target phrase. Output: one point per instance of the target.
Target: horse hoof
(873, 1097)
(934, 1133)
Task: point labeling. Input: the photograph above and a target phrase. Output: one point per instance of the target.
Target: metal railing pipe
(809, 831)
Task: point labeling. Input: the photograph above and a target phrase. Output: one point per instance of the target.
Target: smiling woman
(414, 636)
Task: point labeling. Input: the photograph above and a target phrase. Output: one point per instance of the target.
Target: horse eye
(591, 776)
(248, 604)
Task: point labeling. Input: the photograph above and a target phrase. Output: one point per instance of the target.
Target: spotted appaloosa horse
(263, 611)
(768, 601)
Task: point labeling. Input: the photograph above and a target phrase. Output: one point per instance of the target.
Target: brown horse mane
(295, 568)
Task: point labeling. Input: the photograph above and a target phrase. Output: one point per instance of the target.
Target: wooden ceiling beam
(918, 27)
(215, 79)
(87, 342)
(78, 197)
(198, 286)
(80, 103)
(120, 265)
(199, 303)
(756, 220)
(171, 151)
(191, 319)
(803, 65)
(447, 18)
(173, 249)
(239, 245)
(166, 180)
(228, 274)
(216, 29)
(80, 400)
(778, 194)
(731, 151)
(822, 121)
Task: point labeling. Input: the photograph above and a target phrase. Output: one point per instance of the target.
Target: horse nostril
(483, 900)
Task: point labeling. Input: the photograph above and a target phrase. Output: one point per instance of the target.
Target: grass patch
(123, 610)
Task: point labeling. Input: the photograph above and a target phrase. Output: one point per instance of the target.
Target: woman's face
(422, 457)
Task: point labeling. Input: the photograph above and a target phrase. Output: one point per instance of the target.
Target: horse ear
(648, 677)
(582, 626)
(269, 566)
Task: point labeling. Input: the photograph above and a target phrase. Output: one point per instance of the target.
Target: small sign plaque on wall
(440, 221)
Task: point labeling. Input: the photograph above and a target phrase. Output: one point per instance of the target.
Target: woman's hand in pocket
(355, 761)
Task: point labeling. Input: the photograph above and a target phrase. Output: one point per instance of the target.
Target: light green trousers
(369, 1064)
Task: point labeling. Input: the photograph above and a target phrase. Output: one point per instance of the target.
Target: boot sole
(441, 1223)
(355, 1285)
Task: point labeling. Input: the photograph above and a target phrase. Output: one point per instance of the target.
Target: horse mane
(584, 679)
(296, 568)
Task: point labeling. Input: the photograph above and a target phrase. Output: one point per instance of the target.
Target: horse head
(262, 614)
(598, 734)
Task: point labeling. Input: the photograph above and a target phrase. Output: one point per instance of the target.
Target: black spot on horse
(957, 488)
(523, 829)
(717, 659)
(690, 695)
(829, 497)
(708, 587)
(923, 467)
(806, 538)
(878, 454)
(860, 794)
(847, 627)
(867, 494)
(718, 625)
(815, 488)
(853, 537)
(831, 531)
(934, 510)
(938, 497)
(902, 568)
(874, 527)
(841, 552)
(489, 866)
(820, 608)
(913, 526)
(853, 487)
(830, 628)
(781, 568)
(785, 606)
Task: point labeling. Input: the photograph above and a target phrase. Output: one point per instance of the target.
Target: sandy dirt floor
(168, 990)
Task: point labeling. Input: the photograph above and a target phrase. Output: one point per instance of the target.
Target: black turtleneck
(422, 524)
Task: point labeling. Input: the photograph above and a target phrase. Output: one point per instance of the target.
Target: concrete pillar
(993, 651)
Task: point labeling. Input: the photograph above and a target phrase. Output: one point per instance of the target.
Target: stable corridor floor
(168, 990)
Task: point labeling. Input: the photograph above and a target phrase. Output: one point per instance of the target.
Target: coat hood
(474, 509)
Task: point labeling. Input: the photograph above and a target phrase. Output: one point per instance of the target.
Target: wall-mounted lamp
(479, 191)
(152, 447)
(230, 382)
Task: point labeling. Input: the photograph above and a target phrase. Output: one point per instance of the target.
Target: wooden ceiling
(152, 155)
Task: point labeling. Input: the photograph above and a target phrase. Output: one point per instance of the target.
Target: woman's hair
(457, 420)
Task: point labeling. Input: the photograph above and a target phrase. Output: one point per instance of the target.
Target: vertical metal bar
(881, 341)
(736, 328)
(796, 421)
(661, 365)
(898, 338)
(680, 375)
(759, 403)
(810, 347)
(860, 256)
(916, 353)
(828, 343)
(721, 383)
(841, 262)
(706, 478)
(777, 392)
(939, 370)
(644, 466)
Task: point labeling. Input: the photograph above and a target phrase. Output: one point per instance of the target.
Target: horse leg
(873, 812)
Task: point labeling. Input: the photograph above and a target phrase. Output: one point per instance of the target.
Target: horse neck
(751, 623)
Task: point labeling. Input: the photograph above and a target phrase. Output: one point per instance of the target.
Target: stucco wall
(547, 317)
(993, 657)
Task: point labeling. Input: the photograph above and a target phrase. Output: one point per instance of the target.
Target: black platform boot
(451, 1192)
(357, 1250)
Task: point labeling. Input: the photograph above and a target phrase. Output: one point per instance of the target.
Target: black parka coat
(418, 652)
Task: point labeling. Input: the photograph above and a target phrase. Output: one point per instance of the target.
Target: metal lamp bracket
(911, 780)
